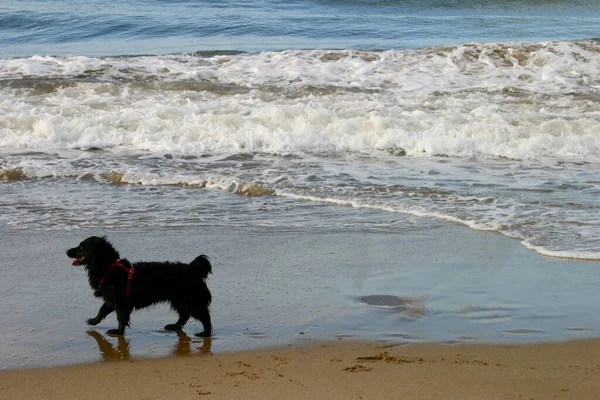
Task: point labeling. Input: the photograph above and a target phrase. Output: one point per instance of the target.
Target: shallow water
(438, 282)
(498, 137)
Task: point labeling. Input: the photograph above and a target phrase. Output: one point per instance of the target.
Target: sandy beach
(297, 315)
(337, 370)
(322, 315)
(399, 199)
(277, 288)
(334, 322)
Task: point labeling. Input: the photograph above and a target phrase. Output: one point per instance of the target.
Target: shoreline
(269, 290)
(333, 370)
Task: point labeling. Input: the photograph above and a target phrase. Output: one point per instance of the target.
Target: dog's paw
(203, 334)
(92, 321)
(172, 327)
(114, 332)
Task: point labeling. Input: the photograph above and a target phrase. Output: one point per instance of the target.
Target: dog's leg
(184, 315)
(123, 316)
(104, 310)
(204, 317)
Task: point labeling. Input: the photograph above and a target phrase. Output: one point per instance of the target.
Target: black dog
(126, 287)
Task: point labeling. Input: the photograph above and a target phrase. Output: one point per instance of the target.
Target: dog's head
(93, 249)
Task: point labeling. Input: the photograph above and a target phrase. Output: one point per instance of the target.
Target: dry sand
(338, 370)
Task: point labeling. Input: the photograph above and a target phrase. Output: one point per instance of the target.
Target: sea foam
(509, 100)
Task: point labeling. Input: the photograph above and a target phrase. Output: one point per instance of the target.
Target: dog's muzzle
(78, 261)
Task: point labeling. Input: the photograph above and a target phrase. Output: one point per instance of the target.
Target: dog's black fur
(181, 285)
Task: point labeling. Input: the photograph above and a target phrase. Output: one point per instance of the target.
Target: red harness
(130, 271)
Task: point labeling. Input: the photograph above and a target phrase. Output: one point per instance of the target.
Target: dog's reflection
(183, 345)
(120, 351)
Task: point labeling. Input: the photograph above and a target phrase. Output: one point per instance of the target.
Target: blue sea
(147, 27)
(372, 116)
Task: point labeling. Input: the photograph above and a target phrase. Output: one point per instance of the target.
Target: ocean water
(482, 113)
(309, 116)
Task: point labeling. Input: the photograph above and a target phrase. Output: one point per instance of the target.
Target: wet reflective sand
(444, 284)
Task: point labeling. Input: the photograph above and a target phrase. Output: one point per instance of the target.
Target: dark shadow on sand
(411, 308)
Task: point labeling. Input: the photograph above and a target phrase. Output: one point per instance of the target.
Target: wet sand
(444, 284)
(309, 315)
(339, 370)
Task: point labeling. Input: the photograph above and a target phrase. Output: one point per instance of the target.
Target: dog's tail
(201, 265)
